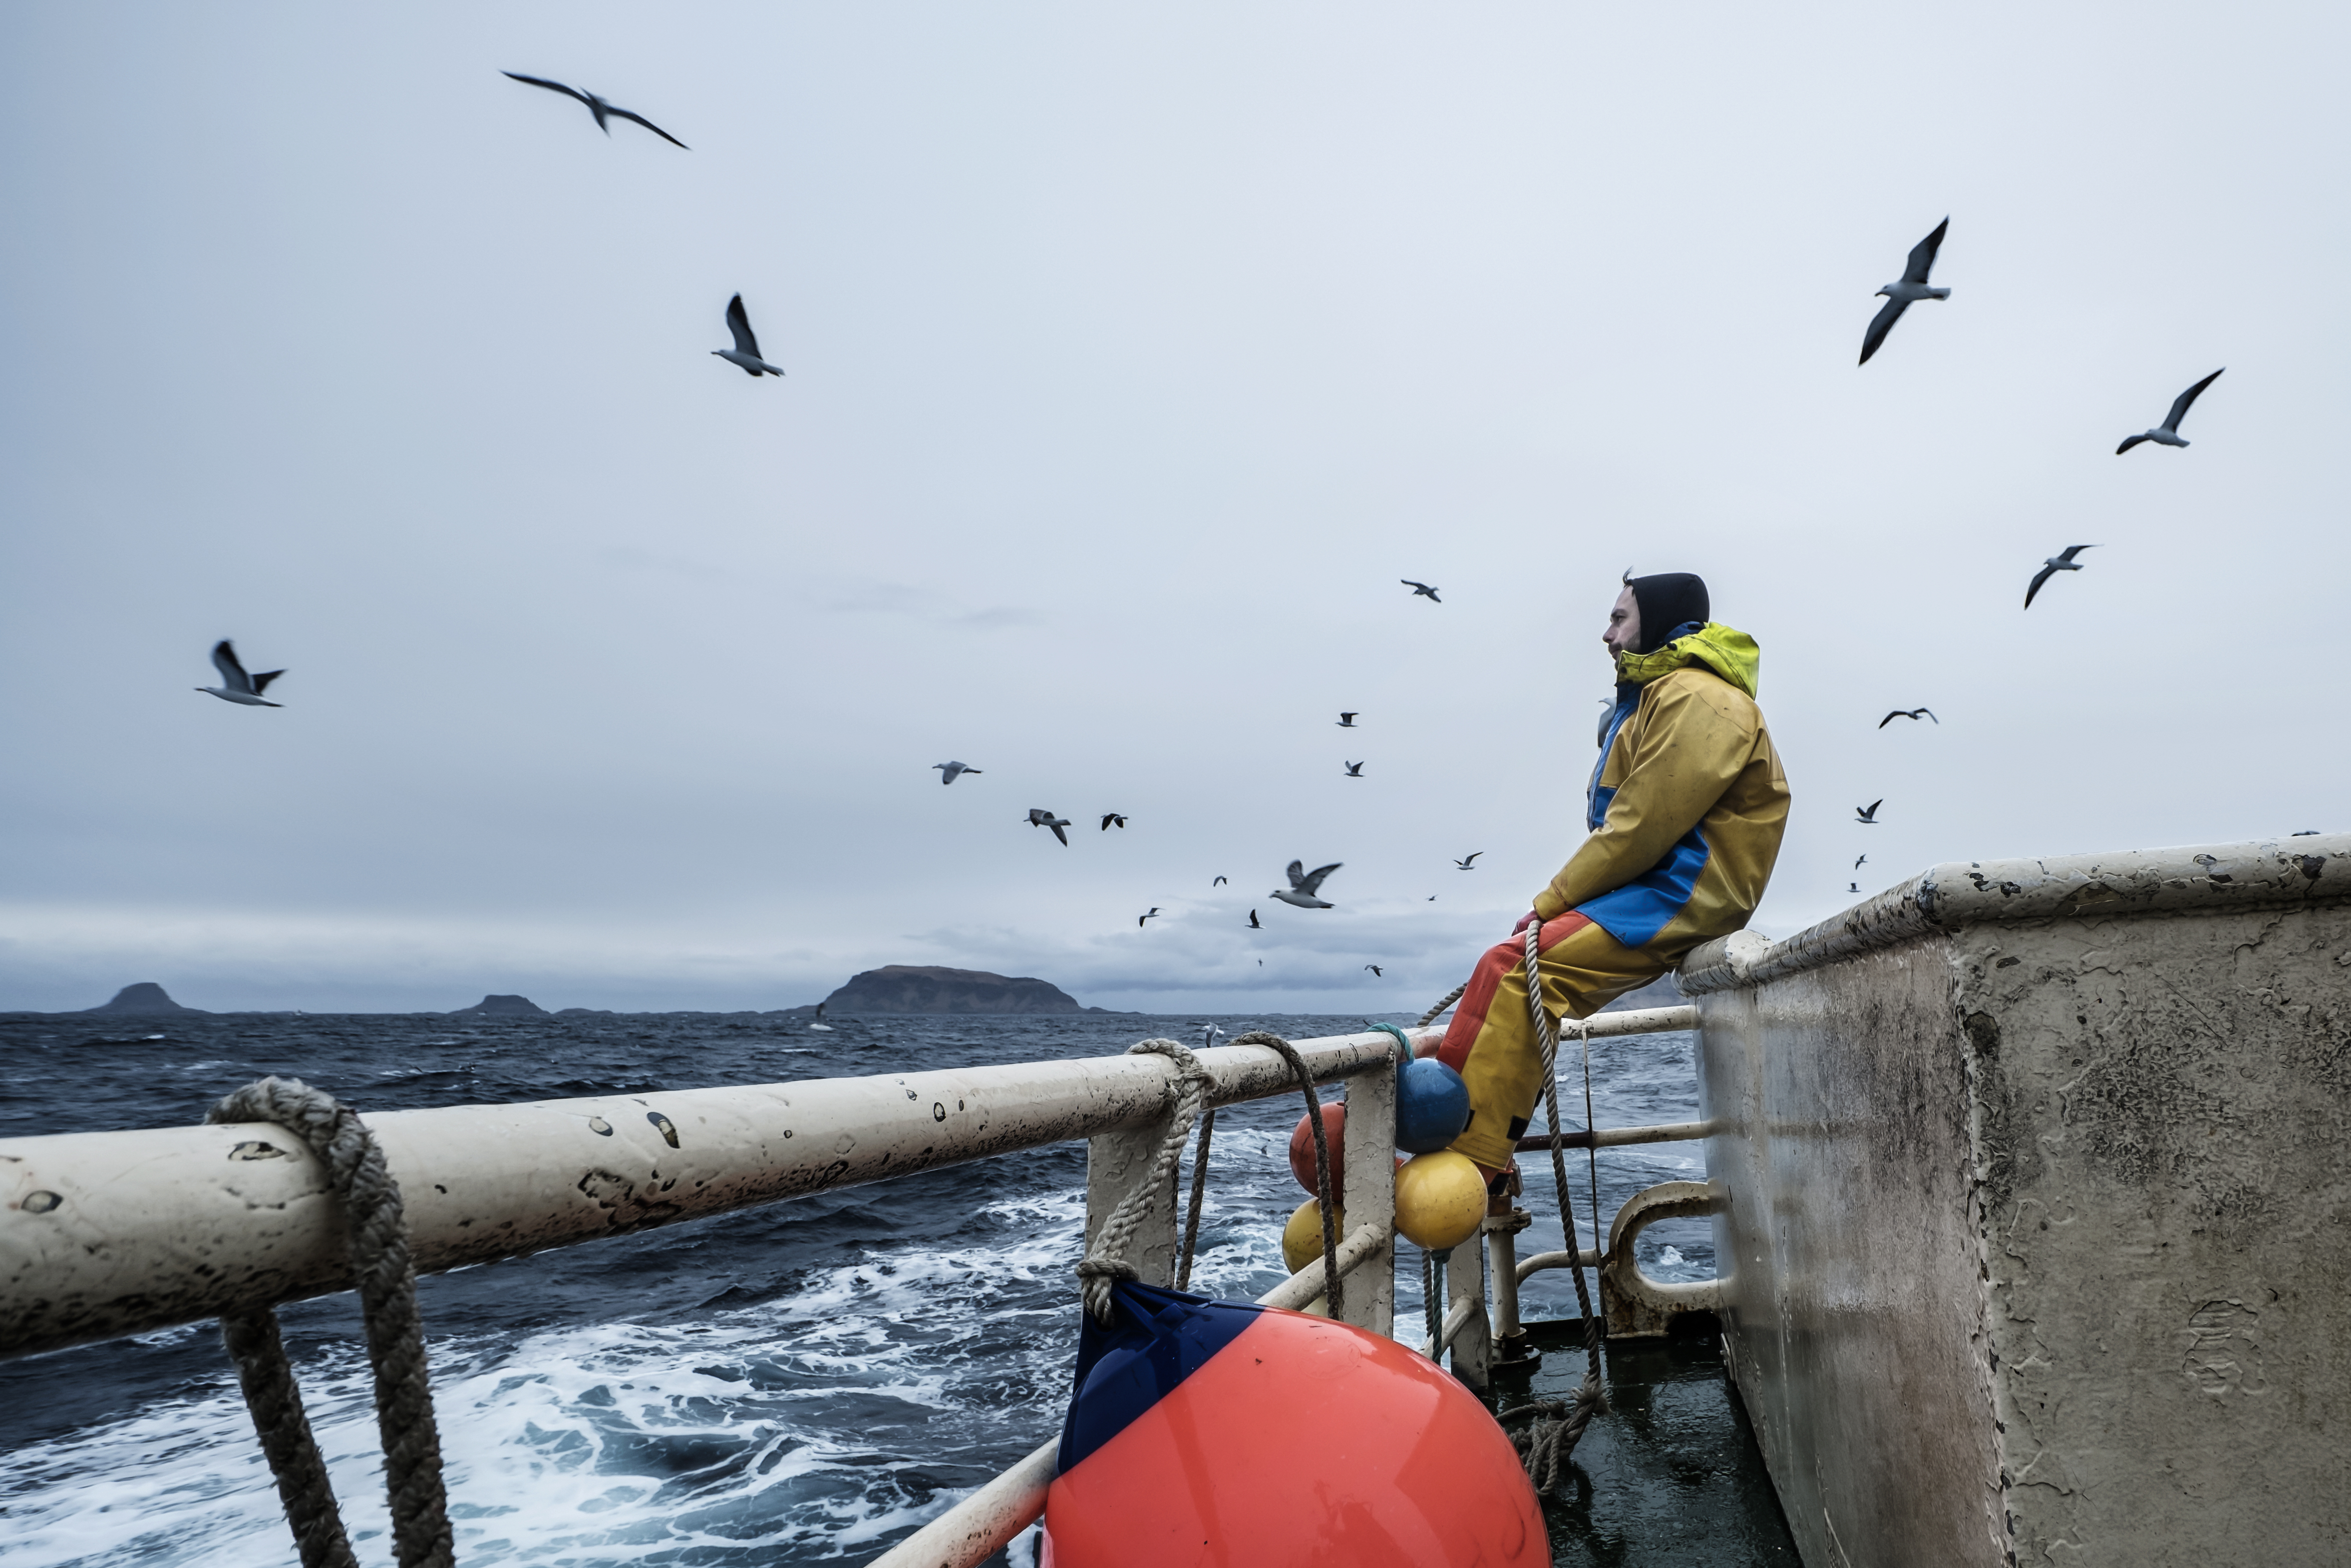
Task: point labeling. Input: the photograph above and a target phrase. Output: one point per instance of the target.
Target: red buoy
(1301, 1151)
(1213, 1433)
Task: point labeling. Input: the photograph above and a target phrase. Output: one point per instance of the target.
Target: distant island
(502, 1007)
(146, 997)
(925, 988)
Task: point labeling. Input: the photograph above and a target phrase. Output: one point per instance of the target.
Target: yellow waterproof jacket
(1687, 805)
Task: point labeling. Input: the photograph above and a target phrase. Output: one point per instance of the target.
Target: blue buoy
(1432, 1106)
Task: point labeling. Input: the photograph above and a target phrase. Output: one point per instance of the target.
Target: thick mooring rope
(1322, 1194)
(1106, 1259)
(378, 1241)
(1209, 1034)
(1451, 996)
(1544, 1445)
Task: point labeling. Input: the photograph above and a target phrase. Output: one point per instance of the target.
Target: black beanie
(1668, 600)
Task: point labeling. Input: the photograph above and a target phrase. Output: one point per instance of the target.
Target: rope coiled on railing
(1105, 1260)
(380, 1267)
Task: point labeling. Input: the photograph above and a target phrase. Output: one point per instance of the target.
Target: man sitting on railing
(1686, 809)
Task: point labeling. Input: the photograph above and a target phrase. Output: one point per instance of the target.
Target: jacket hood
(1727, 651)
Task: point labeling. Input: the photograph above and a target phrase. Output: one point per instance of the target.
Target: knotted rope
(1106, 1259)
(378, 1241)
(1208, 1033)
(1305, 1077)
(1557, 1426)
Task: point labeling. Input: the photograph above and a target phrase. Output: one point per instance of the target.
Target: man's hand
(1524, 921)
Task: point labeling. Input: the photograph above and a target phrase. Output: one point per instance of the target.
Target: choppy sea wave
(799, 1384)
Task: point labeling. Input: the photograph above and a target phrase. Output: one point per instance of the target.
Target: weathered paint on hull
(2040, 1218)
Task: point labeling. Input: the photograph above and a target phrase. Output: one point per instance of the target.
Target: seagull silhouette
(1355, 769)
(1304, 884)
(2055, 563)
(1868, 813)
(1374, 969)
(1852, 887)
(597, 107)
(1218, 883)
(1110, 817)
(236, 687)
(1347, 720)
(1141, 919)
(2167, 432)
(1857, 865)
(1254, 925)
(1906, 290)
(1038, 819)
(1421, 590)
(1909, 713)
(745, 354)
(949, 773)
(1463, 861)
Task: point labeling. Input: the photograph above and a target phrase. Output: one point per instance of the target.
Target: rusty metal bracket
(1636, 1306)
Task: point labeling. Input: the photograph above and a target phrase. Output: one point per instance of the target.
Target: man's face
(1624, 633)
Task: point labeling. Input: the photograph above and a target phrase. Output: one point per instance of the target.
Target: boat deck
(1671, 1473)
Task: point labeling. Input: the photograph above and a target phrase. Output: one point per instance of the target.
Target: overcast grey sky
(1135, 353)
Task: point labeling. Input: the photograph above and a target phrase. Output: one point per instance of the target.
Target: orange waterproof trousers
(1492, 1041)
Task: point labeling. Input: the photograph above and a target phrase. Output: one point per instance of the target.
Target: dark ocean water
(801, 1384)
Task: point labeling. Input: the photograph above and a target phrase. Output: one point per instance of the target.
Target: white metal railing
(106, 1234)
(103, 1234)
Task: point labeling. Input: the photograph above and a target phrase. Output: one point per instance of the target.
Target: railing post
(1116, 1164)
(1369, 1296)
(1473, 1347)
(1502, 1266)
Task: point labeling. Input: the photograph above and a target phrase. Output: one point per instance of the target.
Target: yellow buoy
(1302, 1238)
(1440, 1200)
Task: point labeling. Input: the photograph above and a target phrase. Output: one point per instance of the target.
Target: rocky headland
(145, 998)
(927, 989)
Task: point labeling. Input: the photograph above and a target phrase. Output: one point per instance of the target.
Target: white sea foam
(620, 1443)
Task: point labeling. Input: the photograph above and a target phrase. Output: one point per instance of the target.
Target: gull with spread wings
(597, 107)
(2053, 565)
(1906, 290)
(745, 354)
(2167, 432)
(1304, 884)
(236, 687)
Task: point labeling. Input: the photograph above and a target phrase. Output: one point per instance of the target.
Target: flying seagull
(1253, 925)
(1304, 884)
(1374, 969)
(597, 107)
(746, 351)
(1421, 590)
(1868, 813)
(236, 687)
(1038, 819)
(2055, 563)
(1857, 865)
(2167, 432)
(1906, 290)
(1110, 817)
(949, 773)
(1141, 919)
(1909, 713)
(1355, 769)
(1218, 883)
(1463, 861)
(1347, 720)
(1852, 887)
